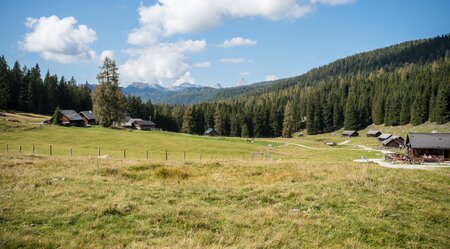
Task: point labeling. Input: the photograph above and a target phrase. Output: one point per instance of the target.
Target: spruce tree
(108, 100)
(56, 116)
(5, 94)
(442, 104)
(288, 121)
(351, 121)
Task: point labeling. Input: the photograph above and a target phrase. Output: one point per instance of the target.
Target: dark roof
(384, 136)
(348, 132)
(372, 132)
(428, 140)
(88, 115)
(71, 115)
(145, 122)
(391, 138)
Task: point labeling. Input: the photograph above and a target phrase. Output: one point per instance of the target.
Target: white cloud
(204, 64)
(170, 17)
(236, 60)
(60, 40)
(271, 77)
(332, 2)
(164, 63)
(237, 41)
(244, 74)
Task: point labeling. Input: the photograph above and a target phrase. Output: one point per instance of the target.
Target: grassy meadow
(303, 197)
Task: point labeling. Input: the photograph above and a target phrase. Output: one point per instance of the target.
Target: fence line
(146, 154)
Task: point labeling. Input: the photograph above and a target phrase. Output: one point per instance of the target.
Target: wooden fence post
(124, 154)
(200, 157)
(98, 151)
(20, 148)
(33, 149)
(184, 155)
(51, 152)
(146, 154)
(7, 148)
(166, 155)
(71, 152)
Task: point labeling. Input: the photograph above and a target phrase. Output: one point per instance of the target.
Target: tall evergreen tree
(5, 94)
(288, 121)
(108, 100)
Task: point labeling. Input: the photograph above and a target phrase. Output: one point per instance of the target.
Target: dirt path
(344, 143)
(385, 164)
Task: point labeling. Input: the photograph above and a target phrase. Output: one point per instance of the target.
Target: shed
(428, 146)
(349, 133)
(373, 133)
(88, 117)
(384, 136)
(71, 118)
(211, 132)
(144, 125)
(394, 142)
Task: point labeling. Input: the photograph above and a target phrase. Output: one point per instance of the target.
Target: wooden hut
(349, 133)
(383, 136)
(394, 142)
(428, 147)
(211, 132)
(373, 133)
(88, 117)
(70, 118)
(145, 125)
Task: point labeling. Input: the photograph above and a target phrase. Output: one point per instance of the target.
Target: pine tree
(288, 121)
(418, 110)
(56, 116)
(442, 104)
(15, 85)
(108, 100)
(351, 121)
(245, 131)
(188, 125)
(218, 121)
(5, 94)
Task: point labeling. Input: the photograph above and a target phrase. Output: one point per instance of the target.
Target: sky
(207, 42)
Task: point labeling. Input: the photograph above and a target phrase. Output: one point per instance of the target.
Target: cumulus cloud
(271, 77)
(163, 63)
(171, 17)
(60, 40)
(153, 61)
(236, 60)
(237, 41)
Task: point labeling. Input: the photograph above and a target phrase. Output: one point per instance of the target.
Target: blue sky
(207, 42)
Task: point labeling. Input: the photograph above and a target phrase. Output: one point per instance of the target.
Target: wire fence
(134, 154)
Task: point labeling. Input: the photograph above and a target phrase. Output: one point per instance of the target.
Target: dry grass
(90, 203)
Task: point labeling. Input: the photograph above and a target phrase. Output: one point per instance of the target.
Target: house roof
(372, 132)
(392, 138)
(384, 136)
(71, 115)
(210, 130)
(87, 114)
(348, 132)
(428, 140)
(144, 122)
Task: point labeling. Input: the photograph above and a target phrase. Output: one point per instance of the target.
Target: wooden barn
(88, 117)
(394, 142)
(373, 133)
(145, 125)
(350, 133)
(211, 132)
(428, 147)
(383, 136)
(70, 118)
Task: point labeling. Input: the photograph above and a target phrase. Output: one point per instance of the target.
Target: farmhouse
(384, 136)
(211, 132)
(393, 142)
(88, 117)
(350, 134)
(145, 125)
(430, 147)
(71, 118)
(138, 124)
(373, 133)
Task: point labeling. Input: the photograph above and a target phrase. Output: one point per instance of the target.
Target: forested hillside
(397, 85)
(401, 84)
